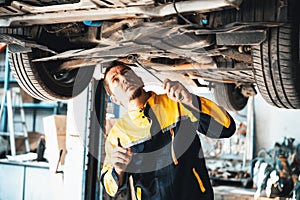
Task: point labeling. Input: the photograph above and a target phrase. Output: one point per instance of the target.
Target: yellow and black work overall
(168, 162)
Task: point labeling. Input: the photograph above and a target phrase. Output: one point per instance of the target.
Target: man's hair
(112, 65)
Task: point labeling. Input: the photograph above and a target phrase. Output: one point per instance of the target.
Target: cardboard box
(33, 138)
(26, 97)
(55, 137)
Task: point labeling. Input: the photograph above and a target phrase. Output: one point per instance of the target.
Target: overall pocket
(147, 191)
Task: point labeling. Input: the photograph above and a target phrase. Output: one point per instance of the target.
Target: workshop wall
(273, 124)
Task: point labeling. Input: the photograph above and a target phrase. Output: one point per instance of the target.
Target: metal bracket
(248, 37)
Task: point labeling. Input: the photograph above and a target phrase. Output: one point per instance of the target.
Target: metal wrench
(135, 61)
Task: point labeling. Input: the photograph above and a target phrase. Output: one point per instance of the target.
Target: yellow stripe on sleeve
(202, 188)
(139, 193)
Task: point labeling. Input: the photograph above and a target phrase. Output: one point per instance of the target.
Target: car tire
(229, 96)
(41, 81)
(276, 66)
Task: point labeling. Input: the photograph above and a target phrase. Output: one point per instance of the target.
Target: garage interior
(66, 147)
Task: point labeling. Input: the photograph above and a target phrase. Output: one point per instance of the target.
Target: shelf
(35, 164)
(37, 105)
(2, 80)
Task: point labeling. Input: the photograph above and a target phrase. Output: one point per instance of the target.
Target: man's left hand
(177, 92)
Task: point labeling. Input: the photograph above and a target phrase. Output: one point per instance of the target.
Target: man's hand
(177, 92)
(121, 157)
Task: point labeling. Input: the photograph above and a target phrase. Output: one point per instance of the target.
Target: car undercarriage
(235, 46)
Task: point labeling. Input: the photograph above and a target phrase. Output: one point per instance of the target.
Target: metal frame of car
(24, 14)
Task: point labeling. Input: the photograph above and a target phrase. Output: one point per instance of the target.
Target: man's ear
(114, 99)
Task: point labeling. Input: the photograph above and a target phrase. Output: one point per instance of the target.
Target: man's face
(124, 84)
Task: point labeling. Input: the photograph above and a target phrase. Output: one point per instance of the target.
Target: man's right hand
(121, 157)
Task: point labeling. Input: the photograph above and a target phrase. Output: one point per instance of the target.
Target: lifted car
(234, 45)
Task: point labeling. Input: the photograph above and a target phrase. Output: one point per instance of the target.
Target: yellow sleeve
(213, 120)
(108, 178)
(218, 113)
(208, 107)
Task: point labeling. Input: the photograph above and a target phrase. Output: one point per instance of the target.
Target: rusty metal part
(227, 75)
(235, 55)
(182, 67)
(79, 63)
(197, 76)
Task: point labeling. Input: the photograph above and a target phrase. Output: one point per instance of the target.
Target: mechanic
(154, 148)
